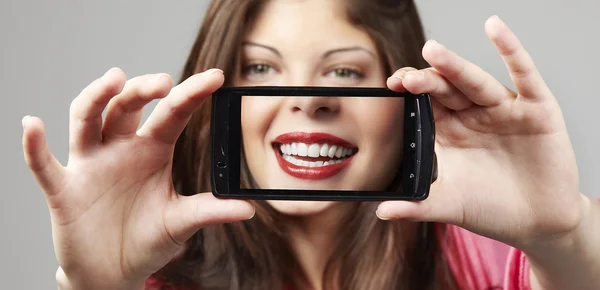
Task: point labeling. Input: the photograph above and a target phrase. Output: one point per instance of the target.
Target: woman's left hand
(507, 169)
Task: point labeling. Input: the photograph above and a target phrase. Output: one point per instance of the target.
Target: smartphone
(321, 143)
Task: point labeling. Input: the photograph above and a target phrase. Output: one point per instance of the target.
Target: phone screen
(322, 142)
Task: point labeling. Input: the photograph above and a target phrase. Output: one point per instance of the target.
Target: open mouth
(312, 155)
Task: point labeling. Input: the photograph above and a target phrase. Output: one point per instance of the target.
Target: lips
(312, 156)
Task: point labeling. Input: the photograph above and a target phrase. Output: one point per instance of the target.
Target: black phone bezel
(419, 151)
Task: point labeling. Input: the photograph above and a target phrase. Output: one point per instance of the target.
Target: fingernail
(433, 42)
(492, 19)
(157, 77)
(400, 74)
(414, 74)
(394, 80)
(214, 71)
(24, 120)
(109, 71)
(253, 214)
(380, 216)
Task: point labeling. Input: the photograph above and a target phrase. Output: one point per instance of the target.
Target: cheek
(388, 130)
(381, 121)
(257, 115)
(390, 121)
(381, 126)
(252, 108)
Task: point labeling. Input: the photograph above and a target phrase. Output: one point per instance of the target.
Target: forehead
(301, 25)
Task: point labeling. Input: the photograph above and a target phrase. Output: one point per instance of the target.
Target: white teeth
(331, 152)
(324, 150)
(338, 152)
(313, 150)
(302, 149)
(305, 163)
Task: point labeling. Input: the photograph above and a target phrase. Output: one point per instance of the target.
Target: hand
(116, 217)
(506, 166)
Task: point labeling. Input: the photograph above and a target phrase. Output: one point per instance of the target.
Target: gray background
(50, 50)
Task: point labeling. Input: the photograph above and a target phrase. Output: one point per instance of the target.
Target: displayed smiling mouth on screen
(313, 156)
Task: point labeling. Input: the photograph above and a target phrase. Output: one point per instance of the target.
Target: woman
(126, 213)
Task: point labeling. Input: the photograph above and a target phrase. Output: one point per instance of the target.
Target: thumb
(443, 204)
(42, 163)
(188, 214)
(438, 207)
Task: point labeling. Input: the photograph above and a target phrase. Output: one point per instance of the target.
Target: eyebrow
(325, 55)
(345, 49)
(272, 49)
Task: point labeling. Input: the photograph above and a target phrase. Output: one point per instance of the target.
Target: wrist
(572, 258)
(571, 241)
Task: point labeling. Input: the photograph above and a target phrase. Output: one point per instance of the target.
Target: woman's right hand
(116, 217)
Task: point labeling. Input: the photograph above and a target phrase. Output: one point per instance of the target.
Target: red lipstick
(311, 173)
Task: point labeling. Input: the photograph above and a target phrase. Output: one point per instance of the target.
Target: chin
(301, 208)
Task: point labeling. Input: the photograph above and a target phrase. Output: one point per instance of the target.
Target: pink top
(478, 263)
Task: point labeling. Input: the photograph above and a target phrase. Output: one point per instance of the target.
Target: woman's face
(316, 142)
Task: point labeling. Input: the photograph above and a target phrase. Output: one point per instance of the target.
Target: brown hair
(255, 254)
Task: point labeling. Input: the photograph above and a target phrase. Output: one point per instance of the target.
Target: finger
(438, 207)
(42, 163)
(520, 66)
(476, 84)
(394, 82)
(440, 112)
(172, 113)
(124, 111)
(188, 214)
(430, 81)
(85, 125)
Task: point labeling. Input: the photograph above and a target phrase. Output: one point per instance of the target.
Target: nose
(315, 107)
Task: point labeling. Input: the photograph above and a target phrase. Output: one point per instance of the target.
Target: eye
(346, 73)
(256, 69)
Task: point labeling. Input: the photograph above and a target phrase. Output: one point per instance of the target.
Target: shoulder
(478, 262)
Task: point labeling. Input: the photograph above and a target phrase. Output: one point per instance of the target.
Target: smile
(312, 155)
